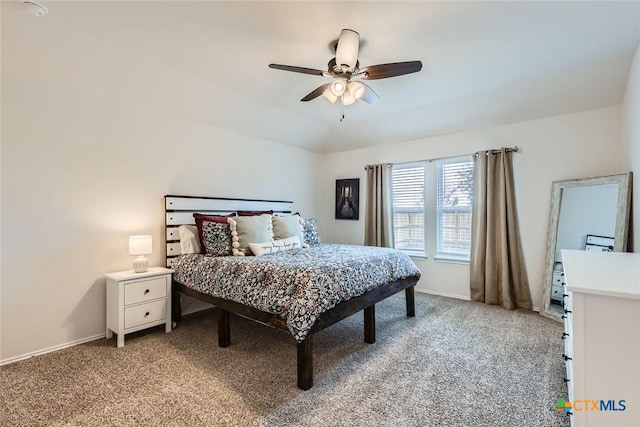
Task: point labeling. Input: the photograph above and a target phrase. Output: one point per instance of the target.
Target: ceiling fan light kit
(346, 73)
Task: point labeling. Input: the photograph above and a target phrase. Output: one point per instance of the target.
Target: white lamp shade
(139, 245)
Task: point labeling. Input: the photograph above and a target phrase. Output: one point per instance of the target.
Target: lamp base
(140, 264)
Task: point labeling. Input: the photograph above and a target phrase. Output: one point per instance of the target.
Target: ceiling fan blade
(297, 69)
(394, 69)
(369, 96)
(347, 49)
(316, 92)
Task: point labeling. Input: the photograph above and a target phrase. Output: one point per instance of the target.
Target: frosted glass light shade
(356, 89)
(348, 99)
(141, 246)
(329, 95)
(347, 49)
(338, 87)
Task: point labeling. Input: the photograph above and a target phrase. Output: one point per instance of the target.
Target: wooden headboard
(179, 210)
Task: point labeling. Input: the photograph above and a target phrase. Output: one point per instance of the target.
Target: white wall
(571, 146)
(631, 132)
(91, 142)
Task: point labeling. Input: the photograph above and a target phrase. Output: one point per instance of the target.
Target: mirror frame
(622, 226)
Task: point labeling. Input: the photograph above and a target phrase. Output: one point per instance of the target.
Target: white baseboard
(50, 349)
(443, 294)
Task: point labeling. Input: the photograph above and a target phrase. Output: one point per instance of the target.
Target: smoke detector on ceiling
(38, 9)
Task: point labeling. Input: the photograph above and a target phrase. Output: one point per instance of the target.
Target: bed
(300, 291)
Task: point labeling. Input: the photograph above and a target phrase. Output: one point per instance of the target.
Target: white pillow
(274, 246)
(189, 241)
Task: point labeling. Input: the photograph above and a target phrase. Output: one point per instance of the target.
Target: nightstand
(137, 301)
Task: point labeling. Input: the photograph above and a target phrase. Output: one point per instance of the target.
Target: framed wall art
(348, 198)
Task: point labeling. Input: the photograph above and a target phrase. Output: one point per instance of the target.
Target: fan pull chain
(342, 106)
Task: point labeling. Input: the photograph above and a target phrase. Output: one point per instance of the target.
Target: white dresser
(602, 337)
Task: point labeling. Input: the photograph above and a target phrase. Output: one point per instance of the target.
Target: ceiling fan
(344, 69)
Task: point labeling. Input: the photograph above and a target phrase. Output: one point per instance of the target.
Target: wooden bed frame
(179, 210)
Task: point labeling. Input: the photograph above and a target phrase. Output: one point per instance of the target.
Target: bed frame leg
(224, 330)
(370, 324)
(176, 310)
(305, 363)
(411, 304)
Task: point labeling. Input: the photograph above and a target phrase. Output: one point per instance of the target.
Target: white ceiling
(484, 63)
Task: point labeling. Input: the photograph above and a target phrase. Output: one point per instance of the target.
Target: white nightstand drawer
(144, 313)
(145, 290)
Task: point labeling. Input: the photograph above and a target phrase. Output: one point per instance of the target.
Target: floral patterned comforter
(299, 284)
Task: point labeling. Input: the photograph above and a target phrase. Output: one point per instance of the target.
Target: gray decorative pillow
(249, 229)
(288, 226)
(311, 235)
(216, 238)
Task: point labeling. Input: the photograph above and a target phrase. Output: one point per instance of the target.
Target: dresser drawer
(568, 347)
(569, 376)
(145, 313)
(568, 300)
(145, 290)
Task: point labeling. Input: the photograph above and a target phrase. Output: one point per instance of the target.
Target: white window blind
(454, 196)
(408, 207)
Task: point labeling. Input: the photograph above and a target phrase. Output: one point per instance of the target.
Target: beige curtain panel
(378, 216)
(498, 272)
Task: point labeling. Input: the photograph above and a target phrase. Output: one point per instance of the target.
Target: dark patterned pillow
(311, 236)
(216, 238)
(200, 218)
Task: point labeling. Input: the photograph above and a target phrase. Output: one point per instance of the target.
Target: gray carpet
(457, 363)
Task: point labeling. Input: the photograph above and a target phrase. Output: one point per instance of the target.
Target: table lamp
(140, 246)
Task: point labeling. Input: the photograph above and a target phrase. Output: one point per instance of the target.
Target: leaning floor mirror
(586, 214)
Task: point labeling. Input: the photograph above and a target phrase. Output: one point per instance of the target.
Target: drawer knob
(566, 380)
(564, 335)
(146, 291)
(146, 314)
(567, 311)
(565, 295)
(565, 357)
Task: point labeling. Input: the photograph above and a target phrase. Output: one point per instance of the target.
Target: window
(433, 198)
(408, 208)
(454, 198)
